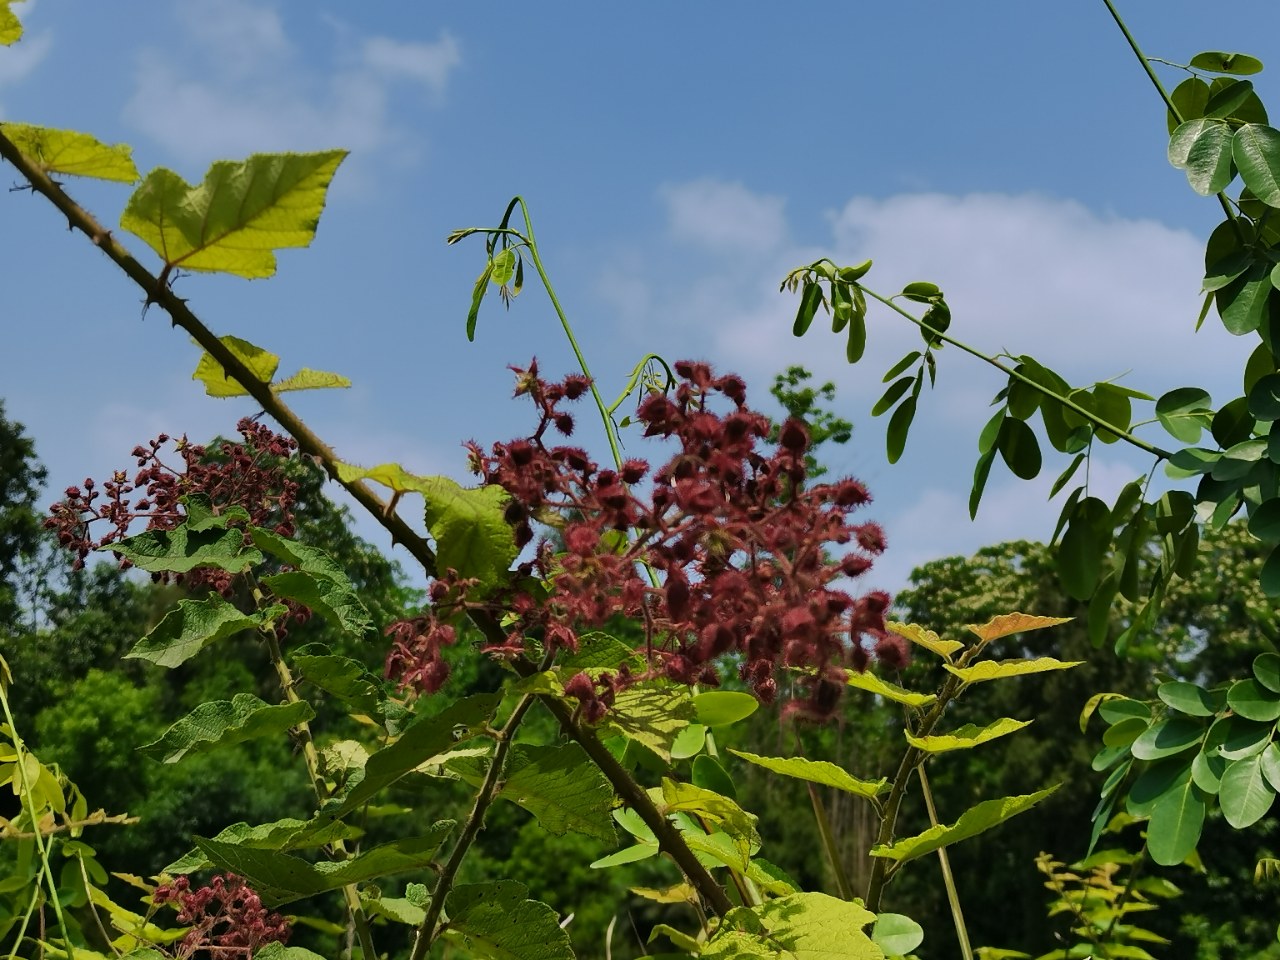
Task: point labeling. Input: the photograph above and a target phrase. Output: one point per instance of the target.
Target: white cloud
(724, 217)
(241, 85)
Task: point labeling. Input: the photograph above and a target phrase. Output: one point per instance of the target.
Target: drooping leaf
(966, 737)
(66, 151)
(318, 582)
(1079, 560)
(503, 267)
(562, 788)
(740, 826)
(1176, 821)
(281, 878)
(803, 926)
(890, 691)
(235, 220)
(1019, 448)
(980, 473)
(717, 708)
(1242, 303)
(496, 921)
(286, 834)
(899, 425)
(925, 638)
(810, 300)
(651, 716)
(817, 771)
(220, 723)
(977, 819)
(192, 626)
(985, 670)
(477, 296)
(1245, 795)
(421, 740)
(1214, 61)
(218, 383)
(342, 677)
(892, 395)
(182, 550)
(1256, 150)
(1203, 150)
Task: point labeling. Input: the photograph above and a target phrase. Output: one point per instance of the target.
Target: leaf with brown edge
(1008, 624)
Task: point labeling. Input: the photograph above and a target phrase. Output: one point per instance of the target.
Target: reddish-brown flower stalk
(740, 547)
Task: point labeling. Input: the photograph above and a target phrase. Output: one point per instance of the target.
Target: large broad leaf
(183, 549)
(999, 669)
(69, 152)
(280, 878)
(817, 771)
(287, 834)
(966, 737)
(1256, 149)
(1202, 148)
(977, 819)
(652, 716)
(1007, 624)
(1245, 795)
(803, 926)
(890, 691)
(344, 678)
(238, 216)
(318, 582)
(194, 625)
(562, 788)
(221, 723)
(496, 921)
(426, 738)
(674, 797)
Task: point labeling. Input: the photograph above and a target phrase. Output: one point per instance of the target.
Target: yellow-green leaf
(817, 771)
(1008, 624)
(972, 822)
(999, 669)
(261, 363)
(10, 25)
(890, 691)
(242, 212)
(307, 379)
(652, 716)
(925, 638)
(69, 152)
(966, 737)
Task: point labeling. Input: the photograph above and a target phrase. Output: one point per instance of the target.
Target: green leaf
(477, 295)
(286, 834)
(1169, 736)
(817, 771)
(652, 716)
(925, 638)
(495, 921)
(856, 344)
(1270, 576)
(308, 379)
(710, 775)
(1187, 698)
(631, 854)
(803, 926)
(218, 383)
(1191, 97)
(980, 473)
(1227, 99)
(1253, 701)
(10, 25)
(1185, 413)
(1256, 150)
(280, 878)
(1215, 61)
(278, 951)
(899, 425)
(896, 934)
(1207, 770)
(890, 691)
(194, 625)
(717, 708)
(1264, 521)
(238, 216)
(562, 788)
(901, 365)
(966, 737)
(1266, 667)
(66, 151)
(221, 723)
(1240, 738)
(1018, 446)
(1125, 732)
(892, 395)
(503, 267)
(1177, 818)
(423, 739)
(689, 742)
(810, 300)
(1203, 150)
(1271, 765)
(977, 819)
(342, 677)
(1242, 303)
(1080, 560)
(1065, 477)
(736, 823)
(985, 670)
(318, 582)
(470, 528)
(1245, 796)
(182, 550)
(921, 291)
(1264, 398)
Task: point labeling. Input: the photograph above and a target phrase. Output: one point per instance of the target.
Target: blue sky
(679, 159)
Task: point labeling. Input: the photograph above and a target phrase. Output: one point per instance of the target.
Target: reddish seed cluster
(728, 553)
(248, 474)
(226, 917)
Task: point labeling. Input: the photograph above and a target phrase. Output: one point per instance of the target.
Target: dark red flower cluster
(249, 474)
(728, 554)
(226, 917)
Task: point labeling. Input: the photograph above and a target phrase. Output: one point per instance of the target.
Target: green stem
(843, 887)
(1164, 95)
(949, 881)
(1023, 378)
(430, 927)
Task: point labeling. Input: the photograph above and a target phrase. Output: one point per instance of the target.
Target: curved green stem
(1023, 378)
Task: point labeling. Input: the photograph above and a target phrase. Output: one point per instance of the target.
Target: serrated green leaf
(470, 528)
(318, 582)
(278, 951)
(890, 691)
(194, 625)
(977, 819)
(342, 677)
(1215, 61)
(1245, 795)
(220, 723)
(287, 834)
(1256, 151)
(66, 151)
(182, 550)
(985, 670)
(562, 788)
(495, 921)
(308, 379)
(717, 708)
(651, 716)
(817, 771)
(740, 826)
(239, 215)
(803, 926)
(421, 740)
(966, 737)
(925, 638)
(218, 383)
(280, 878)
(1203, 150)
